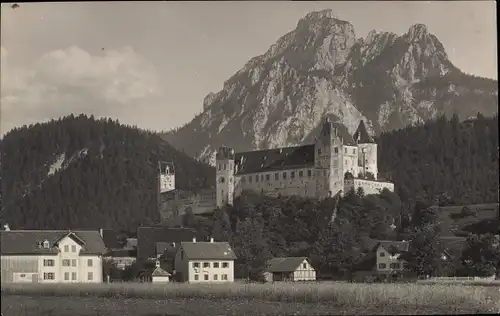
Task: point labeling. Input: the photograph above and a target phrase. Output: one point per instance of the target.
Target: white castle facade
(336, 163)
(319, 170)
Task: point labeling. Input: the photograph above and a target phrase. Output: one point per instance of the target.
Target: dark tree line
(113, 185)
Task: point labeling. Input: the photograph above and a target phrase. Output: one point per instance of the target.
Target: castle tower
(225, 176)
(328, 158)
(367, 151)
(167, 176)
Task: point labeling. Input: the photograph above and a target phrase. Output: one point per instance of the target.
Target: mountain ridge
(278, 98)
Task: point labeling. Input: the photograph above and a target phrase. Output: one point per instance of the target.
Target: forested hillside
(444, 159)
(79, 172)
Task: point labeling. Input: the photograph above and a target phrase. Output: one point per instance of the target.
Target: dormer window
(46, 244)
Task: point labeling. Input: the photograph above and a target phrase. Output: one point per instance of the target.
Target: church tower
(225, 176)
(367, 151)
(167, 176)
(328, 158)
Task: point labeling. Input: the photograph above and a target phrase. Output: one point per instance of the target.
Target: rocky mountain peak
(279, 98)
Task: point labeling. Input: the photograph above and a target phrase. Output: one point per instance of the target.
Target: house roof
(23, 242)
(394, 247)
(147, 237)
(208, 250)
(120, 253)
(361, 135)
(163, 248)
(284, 264)
(274, 159)
(160, 272)
(131, 243)
(110, 238)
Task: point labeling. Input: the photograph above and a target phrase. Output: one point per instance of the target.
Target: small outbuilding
(290, 269)
(155, 275)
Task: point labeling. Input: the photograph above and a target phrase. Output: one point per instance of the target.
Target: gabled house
(198, 262)
(122, 251)
(289, 269)
(51, 256)
(155, 275)
(388, 256)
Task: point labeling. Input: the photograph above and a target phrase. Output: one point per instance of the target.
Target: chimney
(194, 240)
(157, 264)
(100, 232)
(212, 240)
(7, 228)
(173, 244)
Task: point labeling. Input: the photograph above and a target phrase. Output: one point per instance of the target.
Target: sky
(151, 64)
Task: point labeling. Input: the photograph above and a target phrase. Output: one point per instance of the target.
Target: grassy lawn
(248, 299)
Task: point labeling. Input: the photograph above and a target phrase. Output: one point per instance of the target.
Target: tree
(251, 248)
(481, 255)
(360, 192)
(424, 256)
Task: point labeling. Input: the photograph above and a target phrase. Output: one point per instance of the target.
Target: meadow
(322, 298)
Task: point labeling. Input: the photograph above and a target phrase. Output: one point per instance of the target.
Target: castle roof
(274, 159)
(344, 134)
(361, 135)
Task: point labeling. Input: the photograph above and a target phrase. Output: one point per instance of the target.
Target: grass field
(247, 299)
(452, 222)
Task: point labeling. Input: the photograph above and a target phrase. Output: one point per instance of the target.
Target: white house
(289, 269)
(155, 275)
(202, 262)
(51, 256)
(388, 256)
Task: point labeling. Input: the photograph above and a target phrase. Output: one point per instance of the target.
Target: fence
(462, 278)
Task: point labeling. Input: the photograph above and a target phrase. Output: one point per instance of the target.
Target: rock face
(279, 98)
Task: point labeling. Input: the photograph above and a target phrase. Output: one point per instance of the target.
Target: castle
(336, 163)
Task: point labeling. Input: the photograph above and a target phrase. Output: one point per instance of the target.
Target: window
(381, 266)
(48, 262)
(196, 276)
(73, 262)
(261, 177)
(218, 166)
(345, 150)
(309, 173)
(196, 264)
(206, 264)
(249, 179)
(395, 265)
(66, 263)
(73, 248)
(304, 265)
(182, 254)
(225, 264)
(66, 248)
(301, 173)
(46, 244)
(90, 276)
(225, 165)
(89, 262)
(205, 277)
(319, 151)
(224, 277)
(284, 175)
(243, 179)
(49, 276)
(215, 277)
(267, 177)
(216, 264)
(257, 178)
(66, 276)
(276, 176)
(382, 254)
(354, 151)
(73, 276)
(336, 150)
(292, 174)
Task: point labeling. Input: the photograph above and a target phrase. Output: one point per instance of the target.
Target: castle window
(292, 174)
(249, 179)
(257, 178)
(262, 177)
(276, 176)
(224, 166)
(221, 179)
(284, 175)
(309, 173)
(336, 150)
(267, 177)
(301, 173)
(218, 165)
(345, 150)
(243, 179)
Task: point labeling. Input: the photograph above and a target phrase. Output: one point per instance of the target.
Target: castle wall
(351, 159)
(299, 181)
(176, 203)
(369, 186)
(370, 156)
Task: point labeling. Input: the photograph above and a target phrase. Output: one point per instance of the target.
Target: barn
(289, 269)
